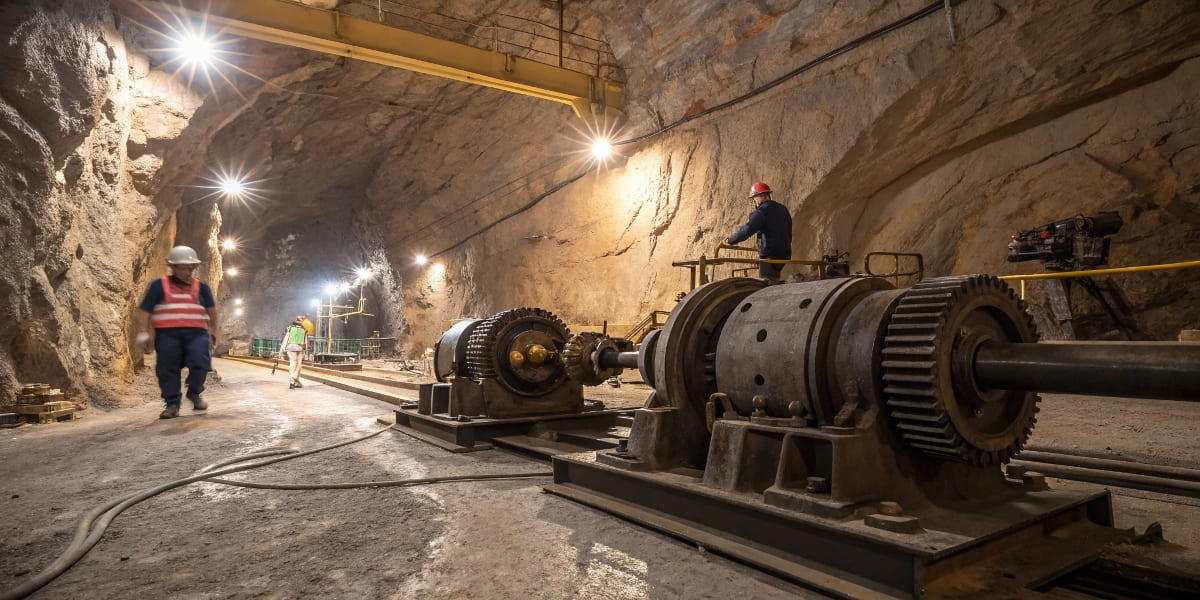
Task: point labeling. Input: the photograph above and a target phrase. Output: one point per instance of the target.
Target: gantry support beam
(294, 24)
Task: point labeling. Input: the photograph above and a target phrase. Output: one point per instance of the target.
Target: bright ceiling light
(421, 259)
(601, 148)
(315, 302)
(237, 301)
(363, 273)
(238, 312)
(196, 49)
(343, 287)
(232, 187)
(331, 288)
(228, 244)
(439, 268)
(231, 271)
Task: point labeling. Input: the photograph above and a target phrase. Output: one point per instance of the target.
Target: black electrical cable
(853, 44)
(906, 21)
(92, 527)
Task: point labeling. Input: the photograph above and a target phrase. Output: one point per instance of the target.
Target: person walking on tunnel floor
(295, 340)
(183, 313)
(772, 224)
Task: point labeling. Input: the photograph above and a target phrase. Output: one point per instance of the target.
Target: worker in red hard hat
(772, 224)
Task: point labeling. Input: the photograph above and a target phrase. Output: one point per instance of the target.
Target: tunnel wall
(907, 143)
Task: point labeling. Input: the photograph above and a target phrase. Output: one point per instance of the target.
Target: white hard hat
(182, 255)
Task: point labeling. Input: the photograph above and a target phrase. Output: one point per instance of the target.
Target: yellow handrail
(1069, 274)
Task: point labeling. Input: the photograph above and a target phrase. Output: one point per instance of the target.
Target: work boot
(198, 403)
(170, 412)
(291, 385)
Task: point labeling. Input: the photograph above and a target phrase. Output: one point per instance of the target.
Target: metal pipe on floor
(1161, 485)
(1105, 464)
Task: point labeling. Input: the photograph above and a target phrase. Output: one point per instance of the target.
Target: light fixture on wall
(228, 244)
(231, 271)
(601, 149)
(420, 260)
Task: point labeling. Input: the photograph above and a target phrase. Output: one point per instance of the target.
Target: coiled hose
(92, 527)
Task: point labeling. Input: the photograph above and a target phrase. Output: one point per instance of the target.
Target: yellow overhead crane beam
(293, 24)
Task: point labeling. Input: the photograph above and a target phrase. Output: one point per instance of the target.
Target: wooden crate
(54, 396)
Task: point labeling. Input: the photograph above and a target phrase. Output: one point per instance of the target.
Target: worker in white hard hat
(183, 314)
(295, 340)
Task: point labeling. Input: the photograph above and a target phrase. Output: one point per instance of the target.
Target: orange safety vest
(180, 308)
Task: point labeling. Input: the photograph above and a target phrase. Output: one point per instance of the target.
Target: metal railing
(703, 269)
(509, 34)
(917, 272)
(638, 332)
(1113, 271)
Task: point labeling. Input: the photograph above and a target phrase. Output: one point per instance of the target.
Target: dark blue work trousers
(180, 347)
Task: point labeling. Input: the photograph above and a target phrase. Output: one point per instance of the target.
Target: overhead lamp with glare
(196, 48)
(231, 187)
(331, 288)
(439, 269)
(228, 244)
(315, 302)
(231, 271)
(601, 148)
(420, 260)
(363, 273)
(238, 312)
(237, 301)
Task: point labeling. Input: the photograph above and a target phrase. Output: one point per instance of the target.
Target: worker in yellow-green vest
(295, 340)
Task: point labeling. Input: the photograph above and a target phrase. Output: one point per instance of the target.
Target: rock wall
(906, 143)
(83, 128)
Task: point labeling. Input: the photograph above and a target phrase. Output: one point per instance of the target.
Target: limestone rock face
(877, 130)
(75, 218)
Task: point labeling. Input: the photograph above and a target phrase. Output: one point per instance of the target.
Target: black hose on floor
(92, 527)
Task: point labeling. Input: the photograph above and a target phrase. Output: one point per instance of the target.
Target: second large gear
(496, 342)
(932, 398)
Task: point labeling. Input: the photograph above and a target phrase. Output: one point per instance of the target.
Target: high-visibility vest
(180, 307)
(295, 335)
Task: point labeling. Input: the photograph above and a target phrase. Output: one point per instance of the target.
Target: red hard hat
(759, 188)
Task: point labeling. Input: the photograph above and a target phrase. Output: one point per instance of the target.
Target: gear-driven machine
(518, 375)
(852, 435)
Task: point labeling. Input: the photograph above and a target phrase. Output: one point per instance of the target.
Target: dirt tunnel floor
(484, 539)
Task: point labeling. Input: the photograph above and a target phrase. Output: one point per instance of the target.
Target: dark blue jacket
(773, 224)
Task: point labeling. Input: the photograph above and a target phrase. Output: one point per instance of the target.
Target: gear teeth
(912, 371)
(577, 358)
(482, 359)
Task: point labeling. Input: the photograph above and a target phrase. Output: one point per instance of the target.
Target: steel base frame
(1007, 548)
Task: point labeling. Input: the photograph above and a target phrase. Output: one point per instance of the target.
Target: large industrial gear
(928, 384)
(581, 356)
(495, 338)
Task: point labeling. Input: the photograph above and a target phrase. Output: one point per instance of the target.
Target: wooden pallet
(65, 414)
(46, 413)
(30, 409)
